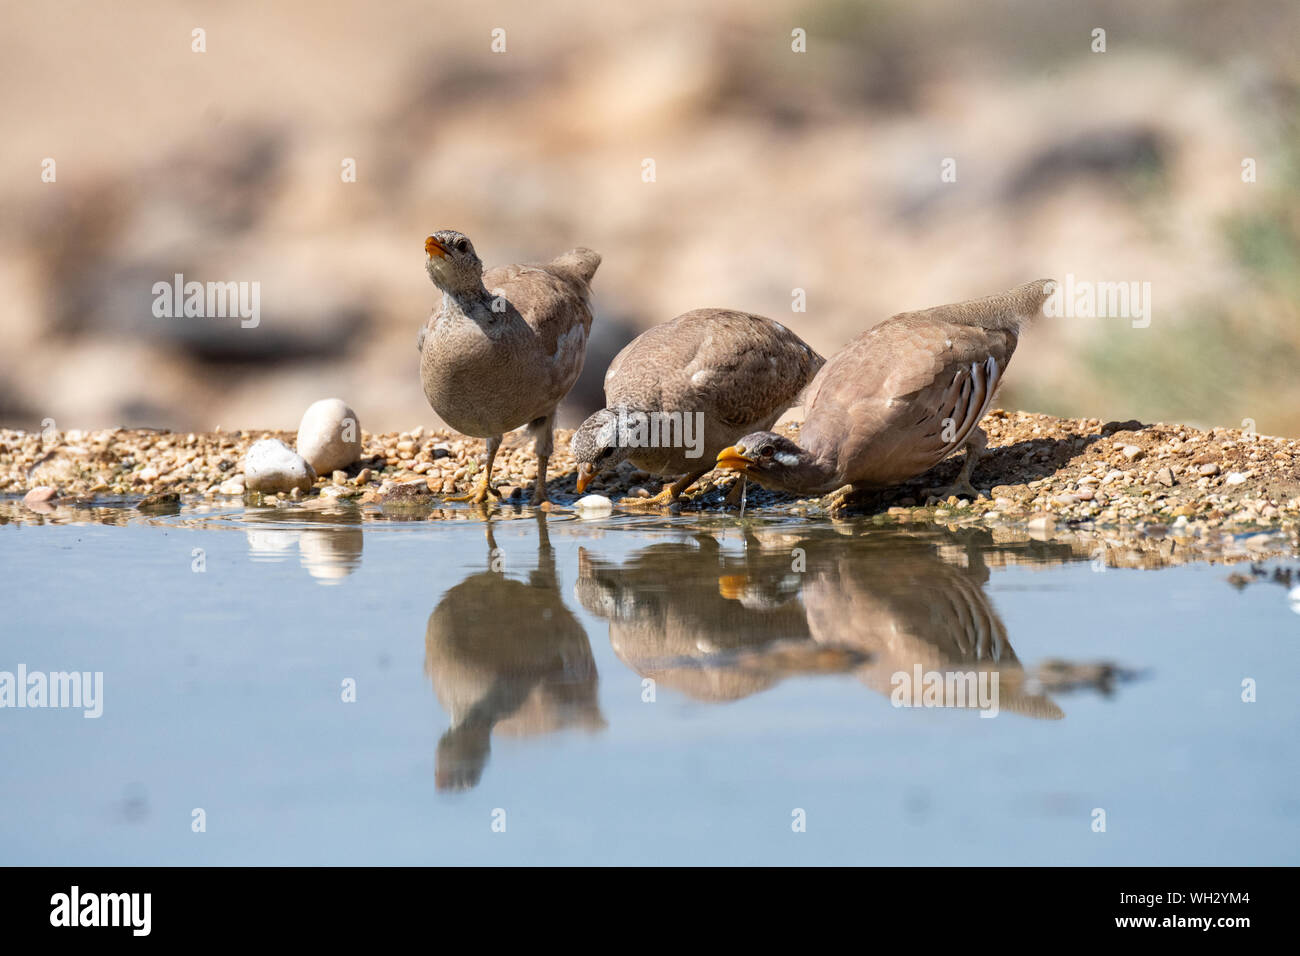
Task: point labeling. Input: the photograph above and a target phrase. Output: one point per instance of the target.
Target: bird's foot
(477, 496)
(540, 497)
(662, 500)
(843, 500)
(960, 489)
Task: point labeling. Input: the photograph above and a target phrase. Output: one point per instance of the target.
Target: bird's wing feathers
(750, 369)
(904, 395)
(738, 369)
(556, 306)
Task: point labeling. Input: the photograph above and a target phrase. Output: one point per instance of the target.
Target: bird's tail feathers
(1005, 310)
(580, 263)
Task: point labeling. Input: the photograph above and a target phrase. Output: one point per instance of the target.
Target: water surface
(632, 690)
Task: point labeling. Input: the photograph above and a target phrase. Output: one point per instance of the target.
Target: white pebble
(271, 466)
(594, 505)
(329, 436)
(1041, 525)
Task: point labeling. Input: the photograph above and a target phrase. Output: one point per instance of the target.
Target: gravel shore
(1041, 471)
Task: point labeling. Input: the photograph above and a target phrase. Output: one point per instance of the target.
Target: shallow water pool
(349, 686)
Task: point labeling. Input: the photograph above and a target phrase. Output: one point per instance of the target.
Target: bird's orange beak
(586, 472)
(432, 247)
(733, 459)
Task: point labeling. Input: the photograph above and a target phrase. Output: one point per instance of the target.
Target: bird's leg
(484, 486)
(545, 575)
(977, 443)
(543, 431)
(670, 493)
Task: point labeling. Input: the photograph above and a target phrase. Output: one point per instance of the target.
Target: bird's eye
(767, 452)
(461, 245)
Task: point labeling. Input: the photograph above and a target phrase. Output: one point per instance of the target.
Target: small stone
(1113, 475)
(1064, 501)
(329, 436)
(1165, 477)
(339, 477)
(404, 491)
(168, 501)
(1042, 524)
(363, 476)
(638, 491)
(39, 495)
(1207, 470)
(1236, 478)
(1132, 452)
(440, 451)
(1085, 494)
(234, 486)
(271, 466)
(594, 505)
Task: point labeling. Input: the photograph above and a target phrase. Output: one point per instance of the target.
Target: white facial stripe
(785, 458)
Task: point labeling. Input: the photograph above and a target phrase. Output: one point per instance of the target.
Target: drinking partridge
(897, 400)
(708, 376)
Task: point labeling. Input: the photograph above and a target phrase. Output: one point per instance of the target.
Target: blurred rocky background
(773, 171)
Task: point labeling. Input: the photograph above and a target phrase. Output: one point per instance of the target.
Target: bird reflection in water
(719, 625)
(713, 625)
(919, 611)
(508, 657)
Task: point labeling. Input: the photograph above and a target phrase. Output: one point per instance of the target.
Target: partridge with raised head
(505, 346)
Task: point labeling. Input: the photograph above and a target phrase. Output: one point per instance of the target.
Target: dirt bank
(1039, 469)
